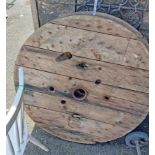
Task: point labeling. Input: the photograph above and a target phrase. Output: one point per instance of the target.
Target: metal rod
(23, 119)
(20, 124)
(38, 143)
(16, 132)
(138, 147)
(95, 7)
(11, 149)
(16, 106)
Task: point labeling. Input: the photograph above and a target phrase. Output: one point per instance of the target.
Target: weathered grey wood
(77, 52)
(79, 42)
(51, 9)
(103, 113)
(136, 55)
(67, 134)
(88, 44)
(106, 26)
(45, 80)
(110, 74)
(132, 102)
(82, 125)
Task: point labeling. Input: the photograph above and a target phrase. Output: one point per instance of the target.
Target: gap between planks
(45, 91)
(68, 113)
(48, 50)
(55, 23)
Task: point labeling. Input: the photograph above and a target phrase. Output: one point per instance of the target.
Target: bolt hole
(98, 81)
(64, 56)
(79, 94)
(75, 115)
(63, 101)
(51, 88)
(99, 68)
(82, 65)
(106, 97)
(70, 78)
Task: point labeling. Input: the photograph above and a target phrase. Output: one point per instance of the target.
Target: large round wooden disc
(86, 77)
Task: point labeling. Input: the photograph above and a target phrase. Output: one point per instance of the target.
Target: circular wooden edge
(129, 27)
(86, 142)
(113, 18)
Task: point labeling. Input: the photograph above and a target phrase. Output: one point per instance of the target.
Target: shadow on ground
(60, 147)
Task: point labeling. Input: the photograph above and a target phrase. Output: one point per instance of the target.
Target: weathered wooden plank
(86, 69)
(98, 131)
(79, 42)
(103, 47)
(84, 109)
(45, 80)
(67, 134)
(102, 23)
(136, 55)
(103, 57)
(101, 95)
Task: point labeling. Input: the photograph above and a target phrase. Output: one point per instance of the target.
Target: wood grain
(101, 55)
(88, 43)
(133, 102)
(110, 74)
(95, 129)
(80, 42)
(112, 26)
(136, 55)
(88, 110)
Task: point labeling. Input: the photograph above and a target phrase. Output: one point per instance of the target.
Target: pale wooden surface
(120, 60)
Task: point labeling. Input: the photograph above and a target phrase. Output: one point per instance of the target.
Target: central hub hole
(79, 94)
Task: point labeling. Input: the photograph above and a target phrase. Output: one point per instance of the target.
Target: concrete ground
(19, 27)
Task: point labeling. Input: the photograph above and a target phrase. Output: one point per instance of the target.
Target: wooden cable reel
(87, 77)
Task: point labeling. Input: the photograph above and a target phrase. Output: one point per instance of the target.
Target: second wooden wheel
(86, 76)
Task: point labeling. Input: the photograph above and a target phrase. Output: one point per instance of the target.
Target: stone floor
(19, 27)
(60, 147)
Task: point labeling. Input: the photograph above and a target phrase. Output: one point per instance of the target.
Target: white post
(21, 112)
(20, 124)
(16, 132)
(10, 146)
(38, 143)
(95, 7)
